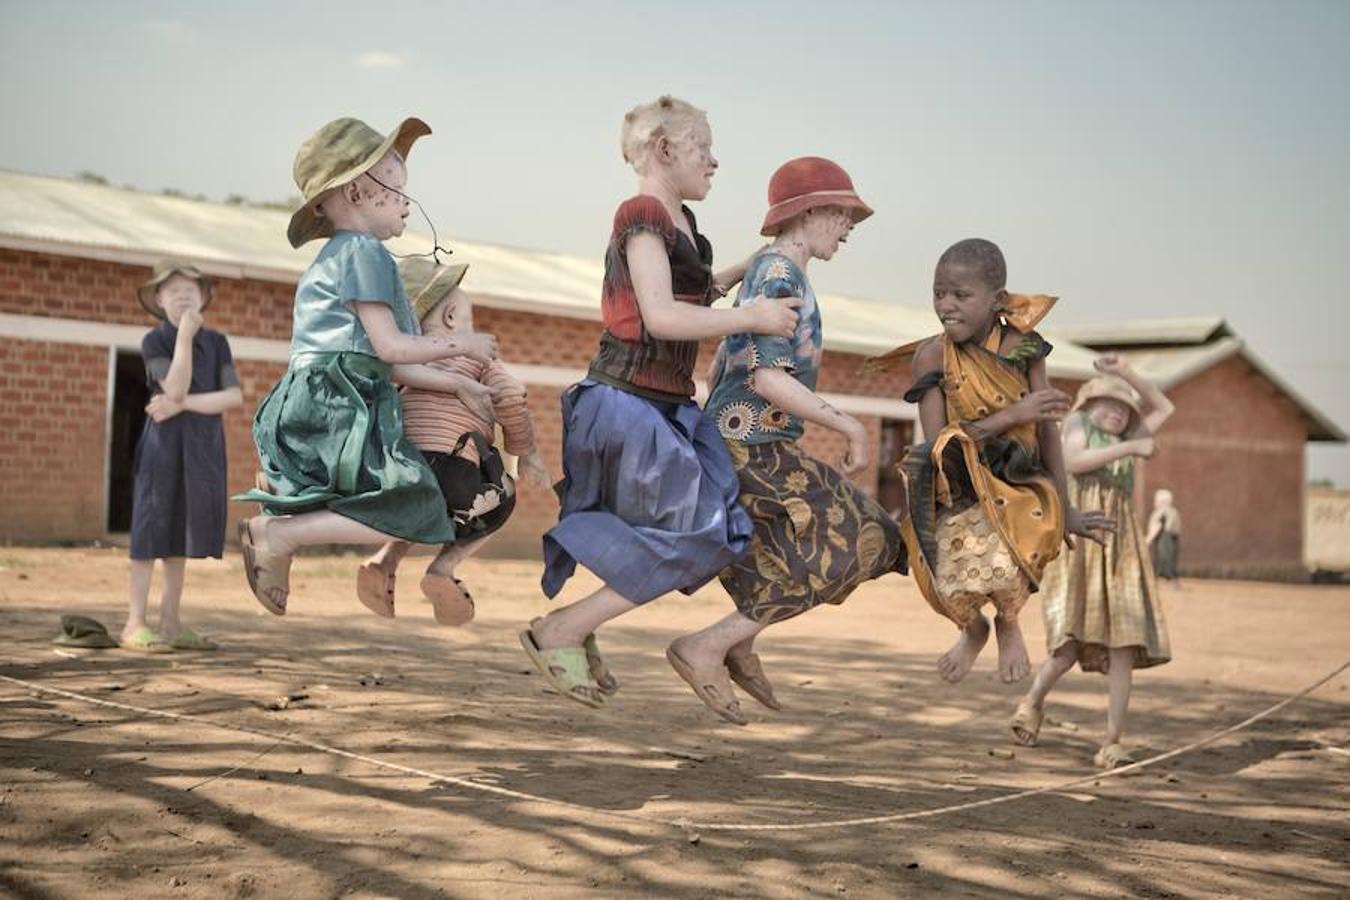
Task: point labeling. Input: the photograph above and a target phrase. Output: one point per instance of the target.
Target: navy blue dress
(178, 504)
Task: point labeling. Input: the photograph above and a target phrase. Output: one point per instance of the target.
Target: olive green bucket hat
(426, 283)
(337, 153)
(164, 270)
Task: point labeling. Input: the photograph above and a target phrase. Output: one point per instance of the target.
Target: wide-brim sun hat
(807, 182)
(163, 271)
(1110, 387)
(427, 283)
(337, 153)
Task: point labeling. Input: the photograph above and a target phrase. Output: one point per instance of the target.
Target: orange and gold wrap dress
(984, 518)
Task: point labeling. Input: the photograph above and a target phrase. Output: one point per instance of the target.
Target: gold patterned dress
(1105, 596)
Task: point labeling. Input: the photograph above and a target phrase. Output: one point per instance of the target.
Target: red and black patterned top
(629, 357)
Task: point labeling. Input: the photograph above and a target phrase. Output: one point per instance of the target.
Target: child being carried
(457, 444)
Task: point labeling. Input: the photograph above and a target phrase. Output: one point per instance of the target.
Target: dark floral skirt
(816, 536)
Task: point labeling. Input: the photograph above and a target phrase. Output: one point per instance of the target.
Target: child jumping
(985, 491)
(1101, 603)
(178, 506)
(456, 442)
(649, 495)
(329, 435)
(816, 535)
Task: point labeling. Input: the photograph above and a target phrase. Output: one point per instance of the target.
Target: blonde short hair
(666, 117)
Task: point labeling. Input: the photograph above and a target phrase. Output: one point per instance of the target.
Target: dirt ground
(97, 802)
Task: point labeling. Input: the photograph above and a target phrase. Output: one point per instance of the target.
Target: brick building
(1233, 454)
(72, 389)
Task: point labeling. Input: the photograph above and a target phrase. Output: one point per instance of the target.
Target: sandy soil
(103, 803)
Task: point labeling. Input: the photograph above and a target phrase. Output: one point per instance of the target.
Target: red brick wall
(1232, 455)
(53, 412)
(39, 284)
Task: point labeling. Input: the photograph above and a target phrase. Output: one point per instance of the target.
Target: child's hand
(1086, 524)
(482, 347)
(477, 398)
(859, 452)
(190, 323)
(1112, 364)
(161, 408)
(1144, 447)
(533, 470)
(776, 316)
(1046, 405)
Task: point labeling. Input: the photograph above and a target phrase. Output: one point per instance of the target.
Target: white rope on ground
(686, 823)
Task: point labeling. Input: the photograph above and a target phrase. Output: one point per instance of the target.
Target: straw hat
(1113, 388)
(426, 283)
(338, 153)
(807, 182)
(164, 270)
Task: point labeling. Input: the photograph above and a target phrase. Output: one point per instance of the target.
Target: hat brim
(782, 213)
(307, 223)
(1097, 389)
(441, 284)
(147, 292)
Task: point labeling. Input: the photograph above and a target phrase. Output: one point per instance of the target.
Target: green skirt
(329, 435)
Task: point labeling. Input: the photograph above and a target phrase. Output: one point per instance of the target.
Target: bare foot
(551, 632)
(956, 662)
(1013, 662)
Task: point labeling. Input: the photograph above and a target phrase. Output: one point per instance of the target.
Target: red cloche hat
(807, 182)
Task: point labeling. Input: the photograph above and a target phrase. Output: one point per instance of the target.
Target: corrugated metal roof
(1161, 332)
(70, 217)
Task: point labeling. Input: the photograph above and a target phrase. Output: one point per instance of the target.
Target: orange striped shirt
(434, 421)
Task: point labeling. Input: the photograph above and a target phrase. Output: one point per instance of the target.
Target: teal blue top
(352, 266)
(739, 413)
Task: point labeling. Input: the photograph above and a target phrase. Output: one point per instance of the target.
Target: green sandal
(187, 639)
(143, 640)
(565, 669)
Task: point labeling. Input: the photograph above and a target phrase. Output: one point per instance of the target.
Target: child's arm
(176, 382)
(1154, 526)
(734, 274)
(1079, 458)
(397, 348)
(1076, 522)
(477, 397)
(664, 318)
(788, 394)
(1156, 408)
(513, 414)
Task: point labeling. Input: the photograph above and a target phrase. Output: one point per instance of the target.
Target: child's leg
(138, 596)
(710, 647)
(956, 662)
(1014, 663)
(1051, 671)
(452, 555)
(171, 598)
(1120, 678)
(389, 556)
(283, 535)
(569, 625)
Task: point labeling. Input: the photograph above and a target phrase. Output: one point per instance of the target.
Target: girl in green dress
(329, 435)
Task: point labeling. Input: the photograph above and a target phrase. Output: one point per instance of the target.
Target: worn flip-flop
(451, 602)
(375, 589)
(604, 678)
(1026, 724)
(749, 675)
(1112, 756)
(143, 640)
(187, 639)
(268, 575)
(565, 669)
(711, 686)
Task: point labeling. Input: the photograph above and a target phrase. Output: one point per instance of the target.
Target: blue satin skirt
(649, 496)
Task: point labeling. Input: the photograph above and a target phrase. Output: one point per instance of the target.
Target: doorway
(129, 396)
(896, 437)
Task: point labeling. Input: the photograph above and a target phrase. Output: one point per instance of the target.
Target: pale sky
(1139, 159)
